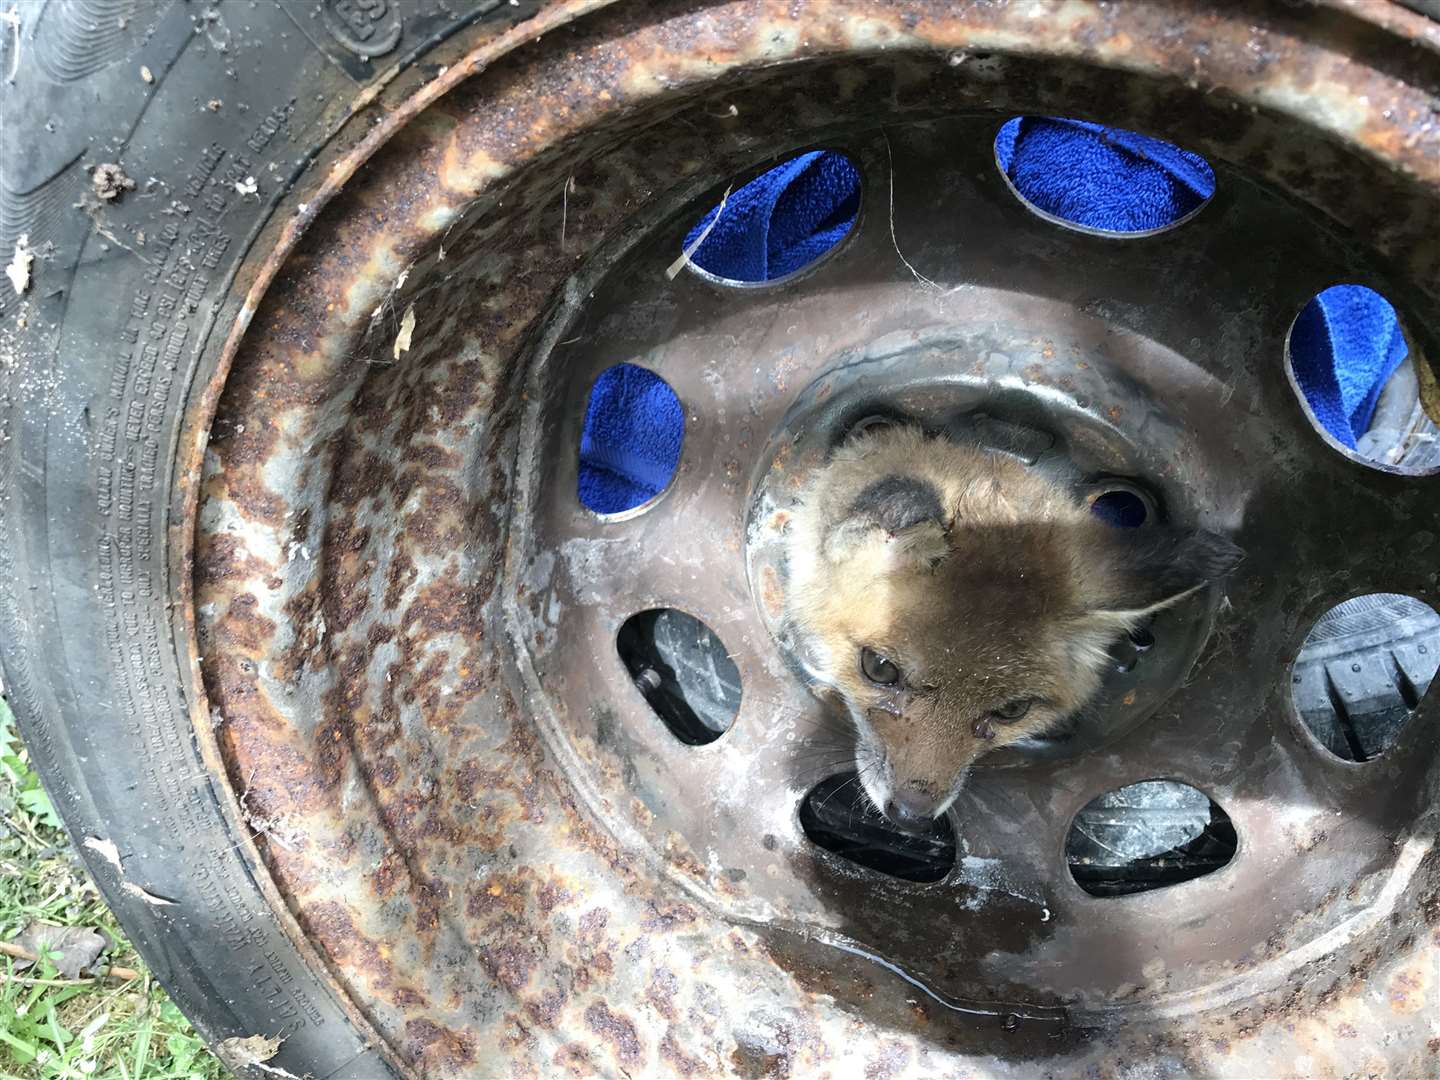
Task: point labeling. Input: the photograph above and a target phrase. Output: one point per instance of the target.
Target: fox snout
(913, 805)
(911, 783)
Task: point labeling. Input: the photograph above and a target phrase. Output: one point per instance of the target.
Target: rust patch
(546, 1010)
(617, 1030)
(574, 1059)
(754, 1062)
(681, 1063)
(888, 1062)
(436, 1047)
(661, 992)
(511, 962)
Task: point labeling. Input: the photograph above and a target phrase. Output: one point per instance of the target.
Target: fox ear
(897, 523)
(1144, 570)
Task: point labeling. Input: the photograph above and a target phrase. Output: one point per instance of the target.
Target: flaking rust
(353, 528)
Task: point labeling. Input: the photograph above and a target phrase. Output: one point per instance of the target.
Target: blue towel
(1099, 177)
(630, 444)
(1343, 347)
(781, 221)
(1345, 344)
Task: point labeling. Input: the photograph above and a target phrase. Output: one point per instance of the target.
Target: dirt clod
(251, 1050)
(110, 182)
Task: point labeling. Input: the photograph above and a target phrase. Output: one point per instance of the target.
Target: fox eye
(878, 669)
(1012, 710)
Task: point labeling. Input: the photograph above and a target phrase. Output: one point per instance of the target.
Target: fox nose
(910, 809)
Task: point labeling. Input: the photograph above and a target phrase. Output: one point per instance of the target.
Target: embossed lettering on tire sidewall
(368, 28)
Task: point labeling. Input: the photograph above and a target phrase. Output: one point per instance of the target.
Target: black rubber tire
(99, 357)
(1363, 670)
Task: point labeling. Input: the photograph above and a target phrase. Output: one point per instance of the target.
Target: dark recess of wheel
(300, 612)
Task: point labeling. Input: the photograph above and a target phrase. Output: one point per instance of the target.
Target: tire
(486, 899)
(189, 103)
(1363, 671)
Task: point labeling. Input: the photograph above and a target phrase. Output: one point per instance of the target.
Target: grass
(57, 1028)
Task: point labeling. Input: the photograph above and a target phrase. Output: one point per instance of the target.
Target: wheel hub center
(1067, 434)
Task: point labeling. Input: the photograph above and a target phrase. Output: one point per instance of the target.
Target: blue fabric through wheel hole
(631, 442)
(780, 222)
(1344, 345)
(1100, 177)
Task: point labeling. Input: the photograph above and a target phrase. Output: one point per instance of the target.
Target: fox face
(956, 602)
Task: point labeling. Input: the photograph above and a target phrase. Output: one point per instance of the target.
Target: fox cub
(957, 601)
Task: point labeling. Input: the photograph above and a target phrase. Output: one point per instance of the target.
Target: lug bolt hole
(872, 423)
(683, 671)
(1121, 505)
(1147, 836)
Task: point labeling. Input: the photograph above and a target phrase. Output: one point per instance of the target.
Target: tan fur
(1011, 595)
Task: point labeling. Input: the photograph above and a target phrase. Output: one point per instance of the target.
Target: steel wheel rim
(209, 590)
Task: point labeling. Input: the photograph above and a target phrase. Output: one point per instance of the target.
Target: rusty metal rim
(195, 433)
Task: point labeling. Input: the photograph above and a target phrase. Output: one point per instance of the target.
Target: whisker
(811, 752)
(837, 790)
(815, 776)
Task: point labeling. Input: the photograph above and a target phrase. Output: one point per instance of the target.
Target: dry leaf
(252, 1052)
(145, 894)
(19, 269)
(72, 949)
(680, 263)
(106, 850)
(1428, 373)
(407, 328)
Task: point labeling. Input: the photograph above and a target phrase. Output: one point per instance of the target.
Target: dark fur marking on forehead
(898, 502)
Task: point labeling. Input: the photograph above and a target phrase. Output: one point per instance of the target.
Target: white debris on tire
(20, 263)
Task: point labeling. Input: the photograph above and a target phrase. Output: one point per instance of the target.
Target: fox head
(957, 601)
